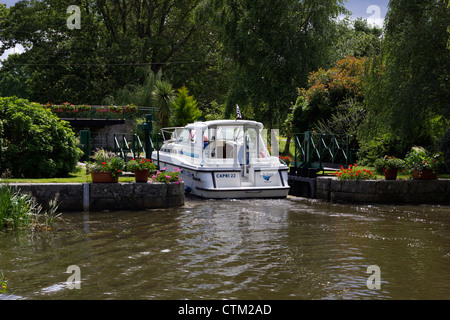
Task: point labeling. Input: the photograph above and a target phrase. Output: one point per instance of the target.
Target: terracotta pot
(141, 175)
(391, 174)
(103, 177)
(425, 174)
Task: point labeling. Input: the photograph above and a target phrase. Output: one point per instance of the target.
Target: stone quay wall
(75, 197)
(435, 192)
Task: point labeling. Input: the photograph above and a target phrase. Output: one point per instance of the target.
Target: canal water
(288, 249)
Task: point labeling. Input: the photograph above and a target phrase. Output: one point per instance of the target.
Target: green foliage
(116, 44)
(408, 84)
(327, 90)
(3, 283)
(274, 45)
(105, 161)
(377, 147)
(387, 163)
(419, 159)
(35, 143)
(13, 78)
(185, 109)
(346, 119)
(20, 210)
(163, 96)
(357, 39)
(139, 94)
(140, 164)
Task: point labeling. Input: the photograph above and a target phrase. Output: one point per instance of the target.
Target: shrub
(34, 142)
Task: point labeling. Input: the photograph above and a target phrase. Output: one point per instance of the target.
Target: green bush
(372, 149)
(34, 142)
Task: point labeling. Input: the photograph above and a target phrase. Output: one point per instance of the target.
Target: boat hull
(227, 183)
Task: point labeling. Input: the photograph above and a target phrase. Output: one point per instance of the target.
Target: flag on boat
(238, 112)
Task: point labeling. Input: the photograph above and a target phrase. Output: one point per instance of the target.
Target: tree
(408, 88)
(185, 109)
(274, 44)
(13, 78)
(357, 39)
(117, 42)
(338, 90)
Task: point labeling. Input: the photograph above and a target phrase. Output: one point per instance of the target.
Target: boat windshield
(226, 142)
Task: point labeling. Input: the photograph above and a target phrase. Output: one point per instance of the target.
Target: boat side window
(184, 136)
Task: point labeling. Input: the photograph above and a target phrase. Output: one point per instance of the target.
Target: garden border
(75, 197)
(436, 192)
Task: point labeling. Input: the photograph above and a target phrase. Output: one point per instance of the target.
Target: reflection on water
(236, 249)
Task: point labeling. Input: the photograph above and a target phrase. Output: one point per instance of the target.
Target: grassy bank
(78, 177)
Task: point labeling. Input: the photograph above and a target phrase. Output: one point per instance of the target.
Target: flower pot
(141, 175)
(425, 174)
(391, 174)
(103, 177)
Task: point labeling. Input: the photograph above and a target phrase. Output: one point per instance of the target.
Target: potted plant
(423, 165)
(389, 166)
(141, 168)
(106, 167)
(131, 108)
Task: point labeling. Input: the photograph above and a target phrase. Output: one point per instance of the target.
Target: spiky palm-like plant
(163, 95)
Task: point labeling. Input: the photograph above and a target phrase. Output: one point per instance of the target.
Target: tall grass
(18, 211)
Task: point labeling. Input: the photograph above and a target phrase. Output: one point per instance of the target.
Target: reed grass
(21, 211)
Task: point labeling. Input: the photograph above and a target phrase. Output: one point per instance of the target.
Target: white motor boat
(213, 164)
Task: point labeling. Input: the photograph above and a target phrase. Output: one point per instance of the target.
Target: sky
(372, 10)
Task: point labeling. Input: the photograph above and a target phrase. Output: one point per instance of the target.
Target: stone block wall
(106, 196)
(384, 191)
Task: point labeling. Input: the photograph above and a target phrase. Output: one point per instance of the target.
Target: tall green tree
(185, 108)
(357, 39)
(274, 44)
(13, 78)
(117, 42)
(409, 90)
